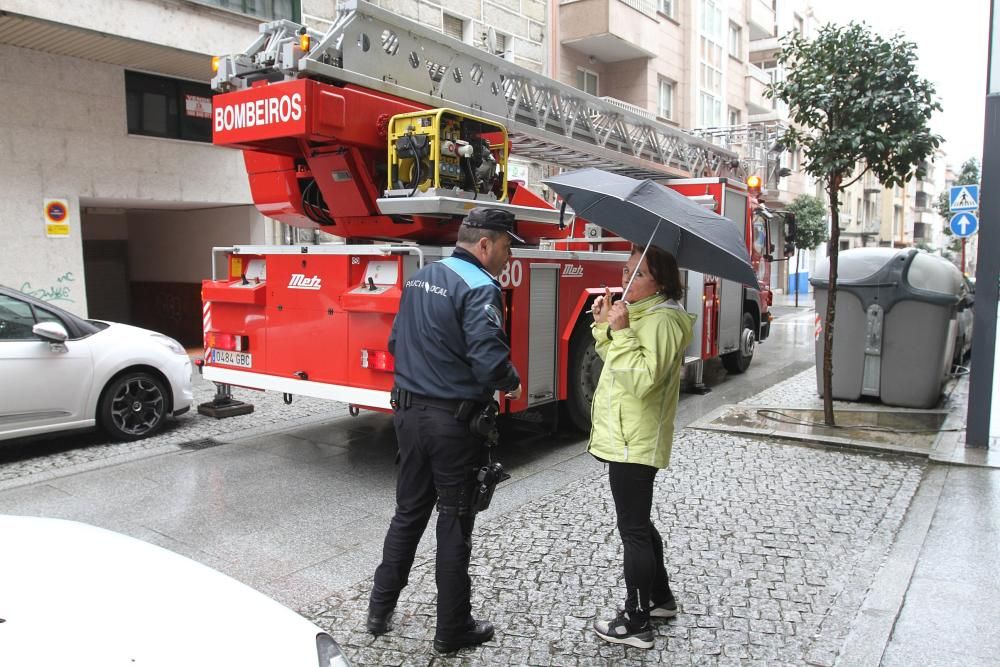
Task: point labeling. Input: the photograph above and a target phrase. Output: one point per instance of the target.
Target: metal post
(963, 256)
(984, 330)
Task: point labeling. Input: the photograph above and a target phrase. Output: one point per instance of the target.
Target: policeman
(451, 355)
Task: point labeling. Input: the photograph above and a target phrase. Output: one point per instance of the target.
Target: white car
(59, 371)
(74, 594)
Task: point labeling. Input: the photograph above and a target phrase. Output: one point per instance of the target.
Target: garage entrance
(144, 266)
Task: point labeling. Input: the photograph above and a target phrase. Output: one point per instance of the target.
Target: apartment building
(784, 178)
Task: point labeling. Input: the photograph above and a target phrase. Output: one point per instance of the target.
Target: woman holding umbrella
(641, 339)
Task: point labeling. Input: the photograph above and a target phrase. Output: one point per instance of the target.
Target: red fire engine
(385, 133)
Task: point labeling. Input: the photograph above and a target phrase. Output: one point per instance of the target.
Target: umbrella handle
(562, 213)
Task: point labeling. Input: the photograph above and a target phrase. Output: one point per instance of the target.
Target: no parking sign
(56, 213)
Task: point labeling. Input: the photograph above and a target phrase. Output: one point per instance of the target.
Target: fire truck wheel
(739, 360)
(133, 406)
(582, 375)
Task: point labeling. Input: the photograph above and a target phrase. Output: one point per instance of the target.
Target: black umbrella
(647, 213)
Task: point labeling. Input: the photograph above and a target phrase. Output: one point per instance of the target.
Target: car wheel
(583, 372)
(739, 360)
(133, 406)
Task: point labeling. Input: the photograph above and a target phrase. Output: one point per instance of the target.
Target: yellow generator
(445, 153)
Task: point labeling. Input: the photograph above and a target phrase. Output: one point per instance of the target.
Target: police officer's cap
(492, 218)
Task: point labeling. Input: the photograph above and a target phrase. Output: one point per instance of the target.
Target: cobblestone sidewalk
(770, 550)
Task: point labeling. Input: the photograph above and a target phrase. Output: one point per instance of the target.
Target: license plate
(230, 358)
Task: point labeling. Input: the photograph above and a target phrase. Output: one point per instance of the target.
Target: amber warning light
(753, 183)
(224, 341)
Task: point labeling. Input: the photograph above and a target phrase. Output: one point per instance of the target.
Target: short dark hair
(467, 234)
(663, 269)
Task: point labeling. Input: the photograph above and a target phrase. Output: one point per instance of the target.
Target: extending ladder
(546, 120)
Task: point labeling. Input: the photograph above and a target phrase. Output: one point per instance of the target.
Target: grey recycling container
(895, 324)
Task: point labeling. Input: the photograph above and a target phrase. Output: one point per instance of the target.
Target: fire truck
(385, 133)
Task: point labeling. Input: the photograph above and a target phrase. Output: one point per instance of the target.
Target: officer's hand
(618, 316)
(601, 306)
(514, 394)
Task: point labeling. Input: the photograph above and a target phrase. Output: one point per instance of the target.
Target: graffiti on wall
(59, 290)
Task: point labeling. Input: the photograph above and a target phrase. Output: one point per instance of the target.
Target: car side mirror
(768, 258)
(53, 332)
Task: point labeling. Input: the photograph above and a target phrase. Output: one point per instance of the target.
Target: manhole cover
(200, 444)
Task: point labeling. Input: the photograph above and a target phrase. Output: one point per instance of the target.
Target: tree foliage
(857, 105)
(810, 216)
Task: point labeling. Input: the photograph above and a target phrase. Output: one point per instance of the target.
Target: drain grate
(204, 443)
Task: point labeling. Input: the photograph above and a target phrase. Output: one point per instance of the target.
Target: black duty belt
(403, 398)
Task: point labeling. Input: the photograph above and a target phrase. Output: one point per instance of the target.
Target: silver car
(60, 372)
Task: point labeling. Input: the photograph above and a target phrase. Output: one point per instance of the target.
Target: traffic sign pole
(984, 328)
(963, 257)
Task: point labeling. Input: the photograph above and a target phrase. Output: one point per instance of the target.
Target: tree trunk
(796, 277)
(834, 191)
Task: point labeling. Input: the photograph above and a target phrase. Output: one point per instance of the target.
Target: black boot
(478, 633)
(378, 623)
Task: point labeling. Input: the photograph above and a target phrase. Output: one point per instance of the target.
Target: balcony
(622, 104)
(764, 49)
(609, 30)
(760, 17)
(757, 82)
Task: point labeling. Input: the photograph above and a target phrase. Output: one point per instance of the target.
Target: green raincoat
(636, 398)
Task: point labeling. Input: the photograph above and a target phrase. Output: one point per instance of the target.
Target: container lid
(856, 266)
(931, 273)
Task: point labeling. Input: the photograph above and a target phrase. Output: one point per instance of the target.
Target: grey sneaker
(665, 609)
(623, 630)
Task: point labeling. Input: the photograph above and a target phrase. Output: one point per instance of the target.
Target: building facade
(106, 114)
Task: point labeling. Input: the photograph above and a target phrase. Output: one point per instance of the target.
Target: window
(665, 101)
(734, 116)
(266, 9)
(454, 27)
(502, 45)
(158, 106)
(665, 7)
(586, 81)
(710, 71)
(735, 40)
(18, 317)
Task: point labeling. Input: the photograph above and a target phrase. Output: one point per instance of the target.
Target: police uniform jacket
(448, 339)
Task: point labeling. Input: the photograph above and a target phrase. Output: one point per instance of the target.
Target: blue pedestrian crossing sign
(964, 198)
(964, 224)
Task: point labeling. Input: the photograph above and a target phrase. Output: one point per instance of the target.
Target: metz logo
(572, 271)
(299, 281)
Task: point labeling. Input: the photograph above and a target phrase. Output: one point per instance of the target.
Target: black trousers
(437, 455)
(645, 574)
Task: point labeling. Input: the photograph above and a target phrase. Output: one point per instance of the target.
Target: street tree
(857, 106)
(810, 223)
